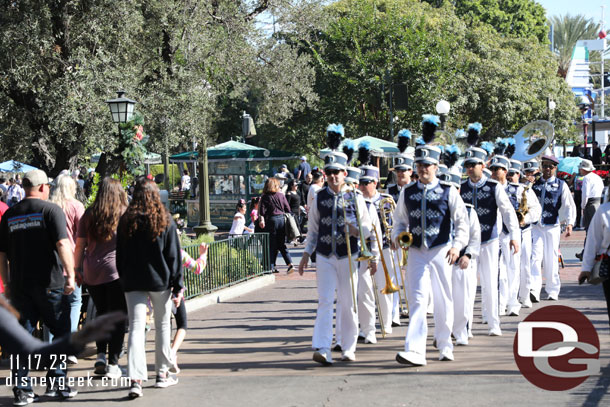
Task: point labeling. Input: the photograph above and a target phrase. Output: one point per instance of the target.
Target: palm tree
(568, 30)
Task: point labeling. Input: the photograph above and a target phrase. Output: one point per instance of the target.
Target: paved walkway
(255, 350)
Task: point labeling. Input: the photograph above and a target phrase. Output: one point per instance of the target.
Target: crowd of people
(51, 248)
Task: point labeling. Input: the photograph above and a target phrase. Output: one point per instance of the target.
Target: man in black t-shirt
(34, 252)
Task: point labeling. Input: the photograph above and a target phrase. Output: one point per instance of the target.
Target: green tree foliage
(501, 81)
(568, 30)
(190, 65)
(517, 18)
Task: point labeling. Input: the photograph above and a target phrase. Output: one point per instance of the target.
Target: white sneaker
(323, 357)
(470, 335)
(113, 371)
(165, 380)
(526, 303)
(495, 332)
(72, 360)
(513, 312)
(446, 355)
(348, 357)
(411, 358)
(370, 339)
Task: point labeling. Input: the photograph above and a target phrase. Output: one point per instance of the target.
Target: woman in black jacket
(149, 265)
(272, 207)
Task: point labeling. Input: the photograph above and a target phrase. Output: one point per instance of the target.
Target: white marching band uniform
(326, 235)
(464, 281)
(513, 281)
(557, 206)
(393, 190)
(489, 208)
(366, 295)
(439, 207)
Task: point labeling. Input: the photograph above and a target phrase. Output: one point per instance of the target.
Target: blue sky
(588, 8)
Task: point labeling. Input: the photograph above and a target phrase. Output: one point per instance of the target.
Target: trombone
(365, 254)
(386, 208)
(389, 288)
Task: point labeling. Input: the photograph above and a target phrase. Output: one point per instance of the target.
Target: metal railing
(230, 261)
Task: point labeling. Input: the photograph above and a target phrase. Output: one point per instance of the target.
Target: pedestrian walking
(95, 259)
(272, 207)
(592, 191)
(149, 264)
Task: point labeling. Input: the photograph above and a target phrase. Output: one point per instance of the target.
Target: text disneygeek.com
(71, 381)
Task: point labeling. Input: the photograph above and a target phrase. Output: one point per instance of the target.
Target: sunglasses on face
(363, 182)
(332, 172)
(494, 169)
(548, 166)
(470, 165)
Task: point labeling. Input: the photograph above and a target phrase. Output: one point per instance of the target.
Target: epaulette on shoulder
(515, 184)
(493, 181)
(464, 181)
(384, 195)
(445, 183)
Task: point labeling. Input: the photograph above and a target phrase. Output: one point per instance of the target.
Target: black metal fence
(230, 261)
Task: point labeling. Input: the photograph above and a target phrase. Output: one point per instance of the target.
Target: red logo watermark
(557, 348)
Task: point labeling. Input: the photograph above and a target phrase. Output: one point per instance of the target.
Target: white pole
(602, 115)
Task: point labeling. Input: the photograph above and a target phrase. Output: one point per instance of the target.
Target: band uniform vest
(549, 195)
(429, 214)
(483, 199)
(394, 191)
(331, 230)
(512, 190)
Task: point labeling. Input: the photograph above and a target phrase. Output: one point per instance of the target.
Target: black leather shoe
(395, 324)
(533, 298)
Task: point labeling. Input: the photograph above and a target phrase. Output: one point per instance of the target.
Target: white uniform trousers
(334, 274)
(511, 278)
(366, 301)
(545, 255)
(428, 271)
(526, 264)
(463, 300)
(385, 300)
(471, 293)
(488, 274)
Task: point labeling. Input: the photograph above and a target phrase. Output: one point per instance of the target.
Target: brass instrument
(523, 208)
(349, 257)
(386, 208)
(405, 239)
(375, 292)
(533, 139)
(390, 287)
(365, 253)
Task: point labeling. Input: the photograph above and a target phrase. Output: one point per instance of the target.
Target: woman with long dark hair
(149, 264)
(272, 207)
(95, 258)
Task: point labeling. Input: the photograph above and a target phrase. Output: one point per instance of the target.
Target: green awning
(379, 147)
(234, 150)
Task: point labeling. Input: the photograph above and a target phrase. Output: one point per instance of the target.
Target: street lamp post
(205, 225)
(121, 108)
(442, 108)
(550, 107)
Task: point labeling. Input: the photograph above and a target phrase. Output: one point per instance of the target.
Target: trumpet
(405, 239)
(386, 208)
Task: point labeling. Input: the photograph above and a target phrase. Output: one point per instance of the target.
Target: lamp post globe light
(121, 108)
(442, 108)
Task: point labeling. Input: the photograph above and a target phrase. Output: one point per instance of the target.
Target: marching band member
(488, 198)
(429, 210)
(335, 270)
(534, 210)
(464, 275)
(368, 186)
(557, 206)
(530, 173)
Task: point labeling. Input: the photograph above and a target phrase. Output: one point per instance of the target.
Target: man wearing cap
(368, 186)
(592, 191)
(510, 270)
(34, 252)
(403, 169)
(557, 206)
(303, 170)
(534, 212)
(430, 211)
(489, 199)
(326, 235)
(464, 273)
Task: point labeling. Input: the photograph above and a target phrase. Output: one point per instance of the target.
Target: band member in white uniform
(368, 186)
(488, 198)
(429, 210)
(534, 210)
(510, 270)
(326, 234)
(557, 206)
(464, 275)
(531, 172)
(403, 171)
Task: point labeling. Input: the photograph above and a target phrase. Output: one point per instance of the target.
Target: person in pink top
(64, 195)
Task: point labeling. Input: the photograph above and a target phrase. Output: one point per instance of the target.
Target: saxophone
(523, 209)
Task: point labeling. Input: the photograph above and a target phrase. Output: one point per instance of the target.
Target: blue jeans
(277, 239)
(72, 303)
(34, 304)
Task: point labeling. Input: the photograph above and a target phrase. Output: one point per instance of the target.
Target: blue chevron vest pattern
(512, 192)
(331, 231)
(429, 215)
(549, 195)
(483, 198)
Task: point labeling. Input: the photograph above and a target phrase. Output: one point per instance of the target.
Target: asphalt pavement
(256, 350)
